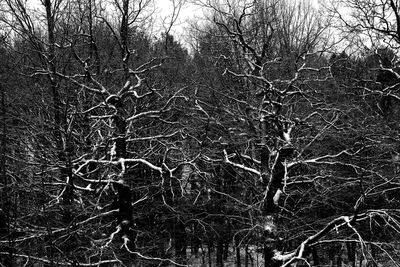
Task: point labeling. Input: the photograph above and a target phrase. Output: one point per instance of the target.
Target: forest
(268, 136)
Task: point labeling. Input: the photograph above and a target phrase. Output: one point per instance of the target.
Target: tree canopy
(271, 139)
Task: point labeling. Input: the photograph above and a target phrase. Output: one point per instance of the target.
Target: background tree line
(272, 141)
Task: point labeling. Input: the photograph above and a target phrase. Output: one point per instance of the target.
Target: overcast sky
(164, 9)
(188, 12)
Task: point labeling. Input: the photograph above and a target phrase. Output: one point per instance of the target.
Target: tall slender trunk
(4, 192)
(94, 52)
(272, 181)
(51, 65)
(180, 242)
(195, 241)
(62, 141)
(220, 252)
(125, 215)
(246, 256)
(315, 256)
(210, 249)
(351, 253)
(124, 33)
(264, 155)
(237, 248)
(373, 255)
(267, 207)
(268, 254)
(226, 249)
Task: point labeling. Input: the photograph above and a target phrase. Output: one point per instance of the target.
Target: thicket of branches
(273, 142)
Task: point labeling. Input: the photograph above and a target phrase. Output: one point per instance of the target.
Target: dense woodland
(268, 137)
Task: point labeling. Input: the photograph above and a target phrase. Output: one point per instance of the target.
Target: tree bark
(315, 256)
(246, 256)
(268, 255)
(237, 248)
(63, 149)
(210, 248)
(125, 214)
(180, 242)
(351, 253)
(4, 194)
(220, 252)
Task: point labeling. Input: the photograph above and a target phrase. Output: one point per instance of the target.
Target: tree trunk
(351, 253)
(373, 255)
(4, 194)
(237, 248)
(125, 215)
(334, 255)
(63, 146)
(339, 260)
(94, 52)
(220, 252)
(124, 192)
(210, 250)
(268, 254)
(315, 257)
(246, 256)
(195, 241)
(226, 250)
(180, 242)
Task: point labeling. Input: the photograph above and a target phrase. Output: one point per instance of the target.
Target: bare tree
(282, 125)
(111, 126)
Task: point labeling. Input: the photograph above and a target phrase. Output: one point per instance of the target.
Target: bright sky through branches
(165, 11)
